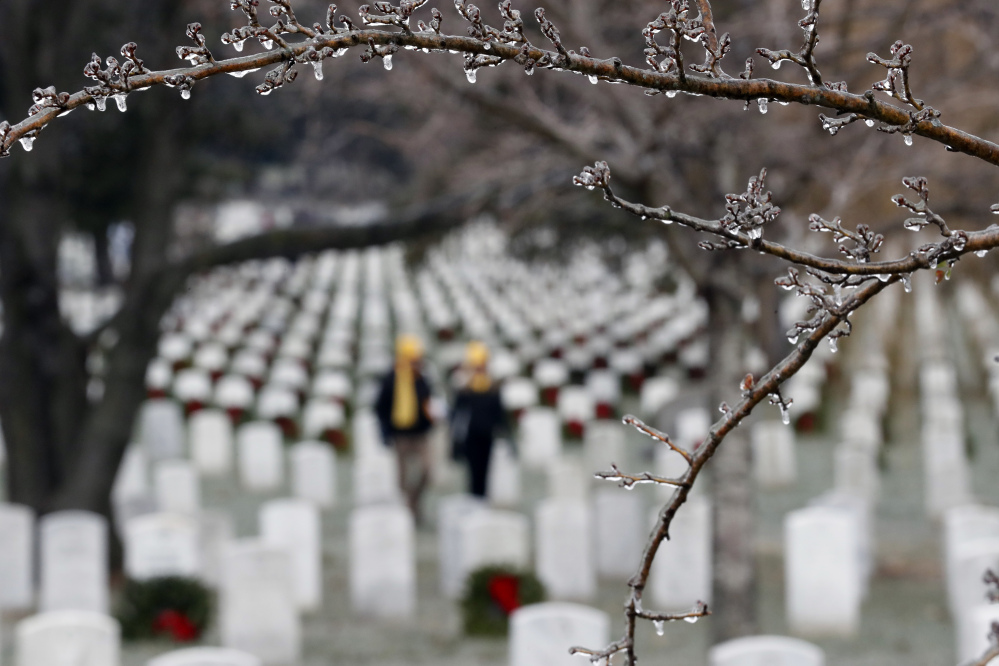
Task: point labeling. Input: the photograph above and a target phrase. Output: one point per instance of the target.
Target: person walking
(477, 417)
(403, 410)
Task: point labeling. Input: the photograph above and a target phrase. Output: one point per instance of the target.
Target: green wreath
(492, 593)
(171, 606)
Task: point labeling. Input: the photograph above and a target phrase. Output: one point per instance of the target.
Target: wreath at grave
(171, 606)
(492, 593)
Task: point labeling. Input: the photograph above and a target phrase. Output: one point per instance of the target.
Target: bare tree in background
(645, 145)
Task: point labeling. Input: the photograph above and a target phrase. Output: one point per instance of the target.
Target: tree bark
(734, 604)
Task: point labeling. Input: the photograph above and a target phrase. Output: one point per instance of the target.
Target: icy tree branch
(486, 47)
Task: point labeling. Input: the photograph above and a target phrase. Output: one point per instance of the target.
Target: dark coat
(475, 418)
(383, 408)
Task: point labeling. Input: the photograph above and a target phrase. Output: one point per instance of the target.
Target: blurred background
(122, 321)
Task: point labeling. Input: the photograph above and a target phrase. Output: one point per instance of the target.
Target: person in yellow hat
(403, 413)
(477, 417)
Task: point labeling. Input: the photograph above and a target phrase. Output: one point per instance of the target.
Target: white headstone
(261, 456)
(971, 560)
(17, 538)
(68, 638)
(215, 532)
(856, 472)
(161, 429)
(313, 473)
(493, 538)
(540, 440)
(774, 460)
(276, 401)
(132, 479)
(193, 385)
(503, 481)
(681, 572)
(205, 656)
(519, 393)
(603, 444)
(822, 571)
(161, 544)
(945, 466)
(74, 561)
(376, 477)
(178, 488)
(452, 511)
(541, 634)
(575, 404)
(321, 415)
(604, 386)
(619, 533)
(656, 393)
(365, 433)
(766, 651)
(567, 479)
(382, 561)
(257, 611)
(974, 628)
(860, 510)
(564, 560)
(235, 391)
(692, 426)
(962, 526)
(210, 435)
(294, 524)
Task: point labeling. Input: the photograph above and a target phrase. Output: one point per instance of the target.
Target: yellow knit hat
(476, 354)
(408, 348)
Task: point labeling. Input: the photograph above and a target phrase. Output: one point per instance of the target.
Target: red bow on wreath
(176, 624)
(505, 591)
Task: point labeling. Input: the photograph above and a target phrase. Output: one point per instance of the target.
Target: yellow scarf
(480, 381)
(404, 403)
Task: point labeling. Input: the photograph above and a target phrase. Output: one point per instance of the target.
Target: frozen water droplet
(908, 139)
(869, 122)
(691, 620)
(91, 106)
(529, 71)
(243, 73)
(268, 44)
(318, 67)
(486, 46)
(834, 345)
(630, 486)
(660, 627)
(238, 46)
(470, 75)
(387, 61)
(793, 339)
(981, 253)
(762, 102)
(883, 277)
(101, 103)
(785, 415)
(120, 101)
(185, 94)
(27, 142)
(776, 64)
(671, 94)
(907, 283)
(593, 79)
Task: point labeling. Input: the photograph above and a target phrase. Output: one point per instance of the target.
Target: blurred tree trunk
(734, 595)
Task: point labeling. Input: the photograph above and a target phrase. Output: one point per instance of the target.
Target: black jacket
(476, 417)
(383, 408)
